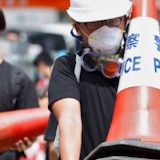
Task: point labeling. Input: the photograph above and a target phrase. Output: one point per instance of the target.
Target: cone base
(123, 149)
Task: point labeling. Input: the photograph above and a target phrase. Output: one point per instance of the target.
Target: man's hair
(2, 21)
(44, 57)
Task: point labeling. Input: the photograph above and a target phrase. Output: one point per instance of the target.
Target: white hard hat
(96, 10)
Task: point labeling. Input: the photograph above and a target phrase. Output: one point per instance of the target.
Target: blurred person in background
(15, 46)
(12, 35)
(44, 65)
(24, 97)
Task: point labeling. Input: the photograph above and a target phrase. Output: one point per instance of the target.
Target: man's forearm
(70, 143)
(68, 114)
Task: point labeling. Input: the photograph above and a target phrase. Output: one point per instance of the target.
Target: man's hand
(22, 145)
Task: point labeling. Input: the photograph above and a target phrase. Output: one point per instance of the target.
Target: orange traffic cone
(16, 125)
(137, 108)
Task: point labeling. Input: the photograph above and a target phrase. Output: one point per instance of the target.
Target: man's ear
(76, 26)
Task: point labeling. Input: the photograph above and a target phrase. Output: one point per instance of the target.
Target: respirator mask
(106, 40)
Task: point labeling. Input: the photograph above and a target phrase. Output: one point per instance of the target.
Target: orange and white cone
(15, 125)
(137, 107)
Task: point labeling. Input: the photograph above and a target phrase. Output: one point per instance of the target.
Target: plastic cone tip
(144, 8)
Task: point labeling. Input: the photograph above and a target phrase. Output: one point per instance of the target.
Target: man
(14, 96)
(13, 35)
(84, 106)
(43, 63)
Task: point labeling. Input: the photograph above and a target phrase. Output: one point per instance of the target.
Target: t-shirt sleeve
(63, 83)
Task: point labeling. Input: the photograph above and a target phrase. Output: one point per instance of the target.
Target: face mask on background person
(41, 75)
(106, 40)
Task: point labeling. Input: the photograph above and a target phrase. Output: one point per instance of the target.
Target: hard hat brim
(100, 12)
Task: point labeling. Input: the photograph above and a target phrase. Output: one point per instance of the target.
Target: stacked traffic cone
(15, 125)
(137, 108)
